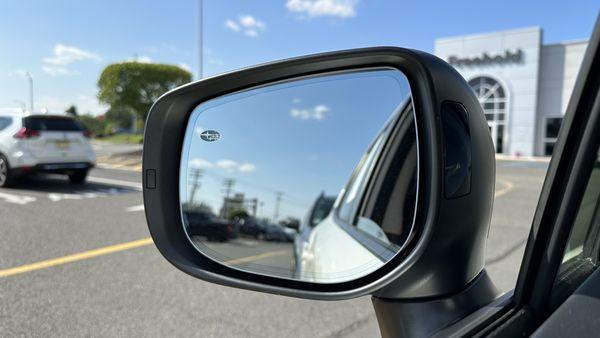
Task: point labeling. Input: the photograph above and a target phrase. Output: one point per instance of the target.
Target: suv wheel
(6, 176)
(78, 177)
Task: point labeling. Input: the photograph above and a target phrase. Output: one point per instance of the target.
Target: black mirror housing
(455, 192)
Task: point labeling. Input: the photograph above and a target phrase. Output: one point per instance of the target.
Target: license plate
(62, 144)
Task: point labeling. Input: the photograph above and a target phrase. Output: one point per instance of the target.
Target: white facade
(523, 85)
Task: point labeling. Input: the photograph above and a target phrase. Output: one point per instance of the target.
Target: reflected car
(276, 233)
(253, 228)
(206, 225)
(315, 215)
(44, 143)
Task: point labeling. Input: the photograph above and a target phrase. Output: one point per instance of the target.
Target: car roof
(14, 113)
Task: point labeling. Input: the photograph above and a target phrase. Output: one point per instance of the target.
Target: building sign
(487, 59)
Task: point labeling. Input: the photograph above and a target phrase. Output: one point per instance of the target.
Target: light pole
(30, 90)
(200, 52)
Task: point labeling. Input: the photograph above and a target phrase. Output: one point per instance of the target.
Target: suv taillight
(26, 133)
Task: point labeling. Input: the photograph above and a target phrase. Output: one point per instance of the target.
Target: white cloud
(227, 165)
(249, 21)
(316, 113)
(231, 166)
(200, 163)
(246, 24)
(247, 168)
(57, 70)
(232, 25)
(63, 55)
(316, 8)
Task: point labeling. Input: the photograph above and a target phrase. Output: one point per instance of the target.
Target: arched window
(492, 97)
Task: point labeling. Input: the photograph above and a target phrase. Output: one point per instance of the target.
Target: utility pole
(200, 42)
(195, 177)
(30, 90)
(228, 184)
(253, 205)
(278, 196)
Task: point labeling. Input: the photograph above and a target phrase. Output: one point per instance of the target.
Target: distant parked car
(252, 227)
(44, 143)
(209, 226)
(276, 233)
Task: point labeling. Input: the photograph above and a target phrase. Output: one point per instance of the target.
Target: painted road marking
(135, 208)
(129, 184)
(144, 242)
(508, 186)
(256, 257)
(17, 199)
(109, 250)
(75, 257)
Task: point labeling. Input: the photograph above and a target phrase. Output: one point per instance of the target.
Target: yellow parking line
(75, 257)
(508, 186)
(256, 257)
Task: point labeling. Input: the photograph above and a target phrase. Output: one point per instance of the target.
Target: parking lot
(78, 260)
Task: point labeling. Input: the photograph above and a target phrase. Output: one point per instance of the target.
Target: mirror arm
(423, 317)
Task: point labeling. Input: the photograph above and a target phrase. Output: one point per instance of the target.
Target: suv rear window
(46, 123)
(5, 122)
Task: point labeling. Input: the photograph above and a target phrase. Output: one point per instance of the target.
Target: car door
(558, 289)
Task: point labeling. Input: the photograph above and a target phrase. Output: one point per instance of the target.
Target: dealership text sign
(487, 59)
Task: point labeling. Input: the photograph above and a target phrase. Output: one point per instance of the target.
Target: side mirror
(394, 138)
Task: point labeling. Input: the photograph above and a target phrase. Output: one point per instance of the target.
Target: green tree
(197, 207)
(95, 125)
(238, 213)
(72, 110)
(137, 85)
(120, 117)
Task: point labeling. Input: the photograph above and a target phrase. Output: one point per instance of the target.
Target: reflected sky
(300, 138)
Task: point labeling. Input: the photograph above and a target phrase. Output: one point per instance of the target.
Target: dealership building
(522, 84)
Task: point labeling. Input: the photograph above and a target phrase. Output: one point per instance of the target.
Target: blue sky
(66, 44)
(301, 138)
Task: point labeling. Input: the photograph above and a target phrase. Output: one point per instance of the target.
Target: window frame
(545, 138)
(574, 156)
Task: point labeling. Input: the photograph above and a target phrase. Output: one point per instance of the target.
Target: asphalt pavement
(78, 261)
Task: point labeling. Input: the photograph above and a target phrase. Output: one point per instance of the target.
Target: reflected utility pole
(200, 42)
(195, 177)
(278, 196)
(228, 184)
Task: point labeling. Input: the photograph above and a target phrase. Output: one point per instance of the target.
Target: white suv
(47, 143)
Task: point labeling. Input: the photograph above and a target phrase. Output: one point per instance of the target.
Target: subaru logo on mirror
(210, 135)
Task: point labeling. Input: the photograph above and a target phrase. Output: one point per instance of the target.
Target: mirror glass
(273, 179)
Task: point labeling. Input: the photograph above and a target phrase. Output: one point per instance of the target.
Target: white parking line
(135, 208)
(129, 184)
(17, 199)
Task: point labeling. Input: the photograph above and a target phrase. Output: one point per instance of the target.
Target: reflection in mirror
(274, 178)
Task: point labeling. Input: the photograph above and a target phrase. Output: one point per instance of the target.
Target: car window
(353, 193)
(581, 255)
(321, 210)
(5, 122)
(587, 221)
(52, 124)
